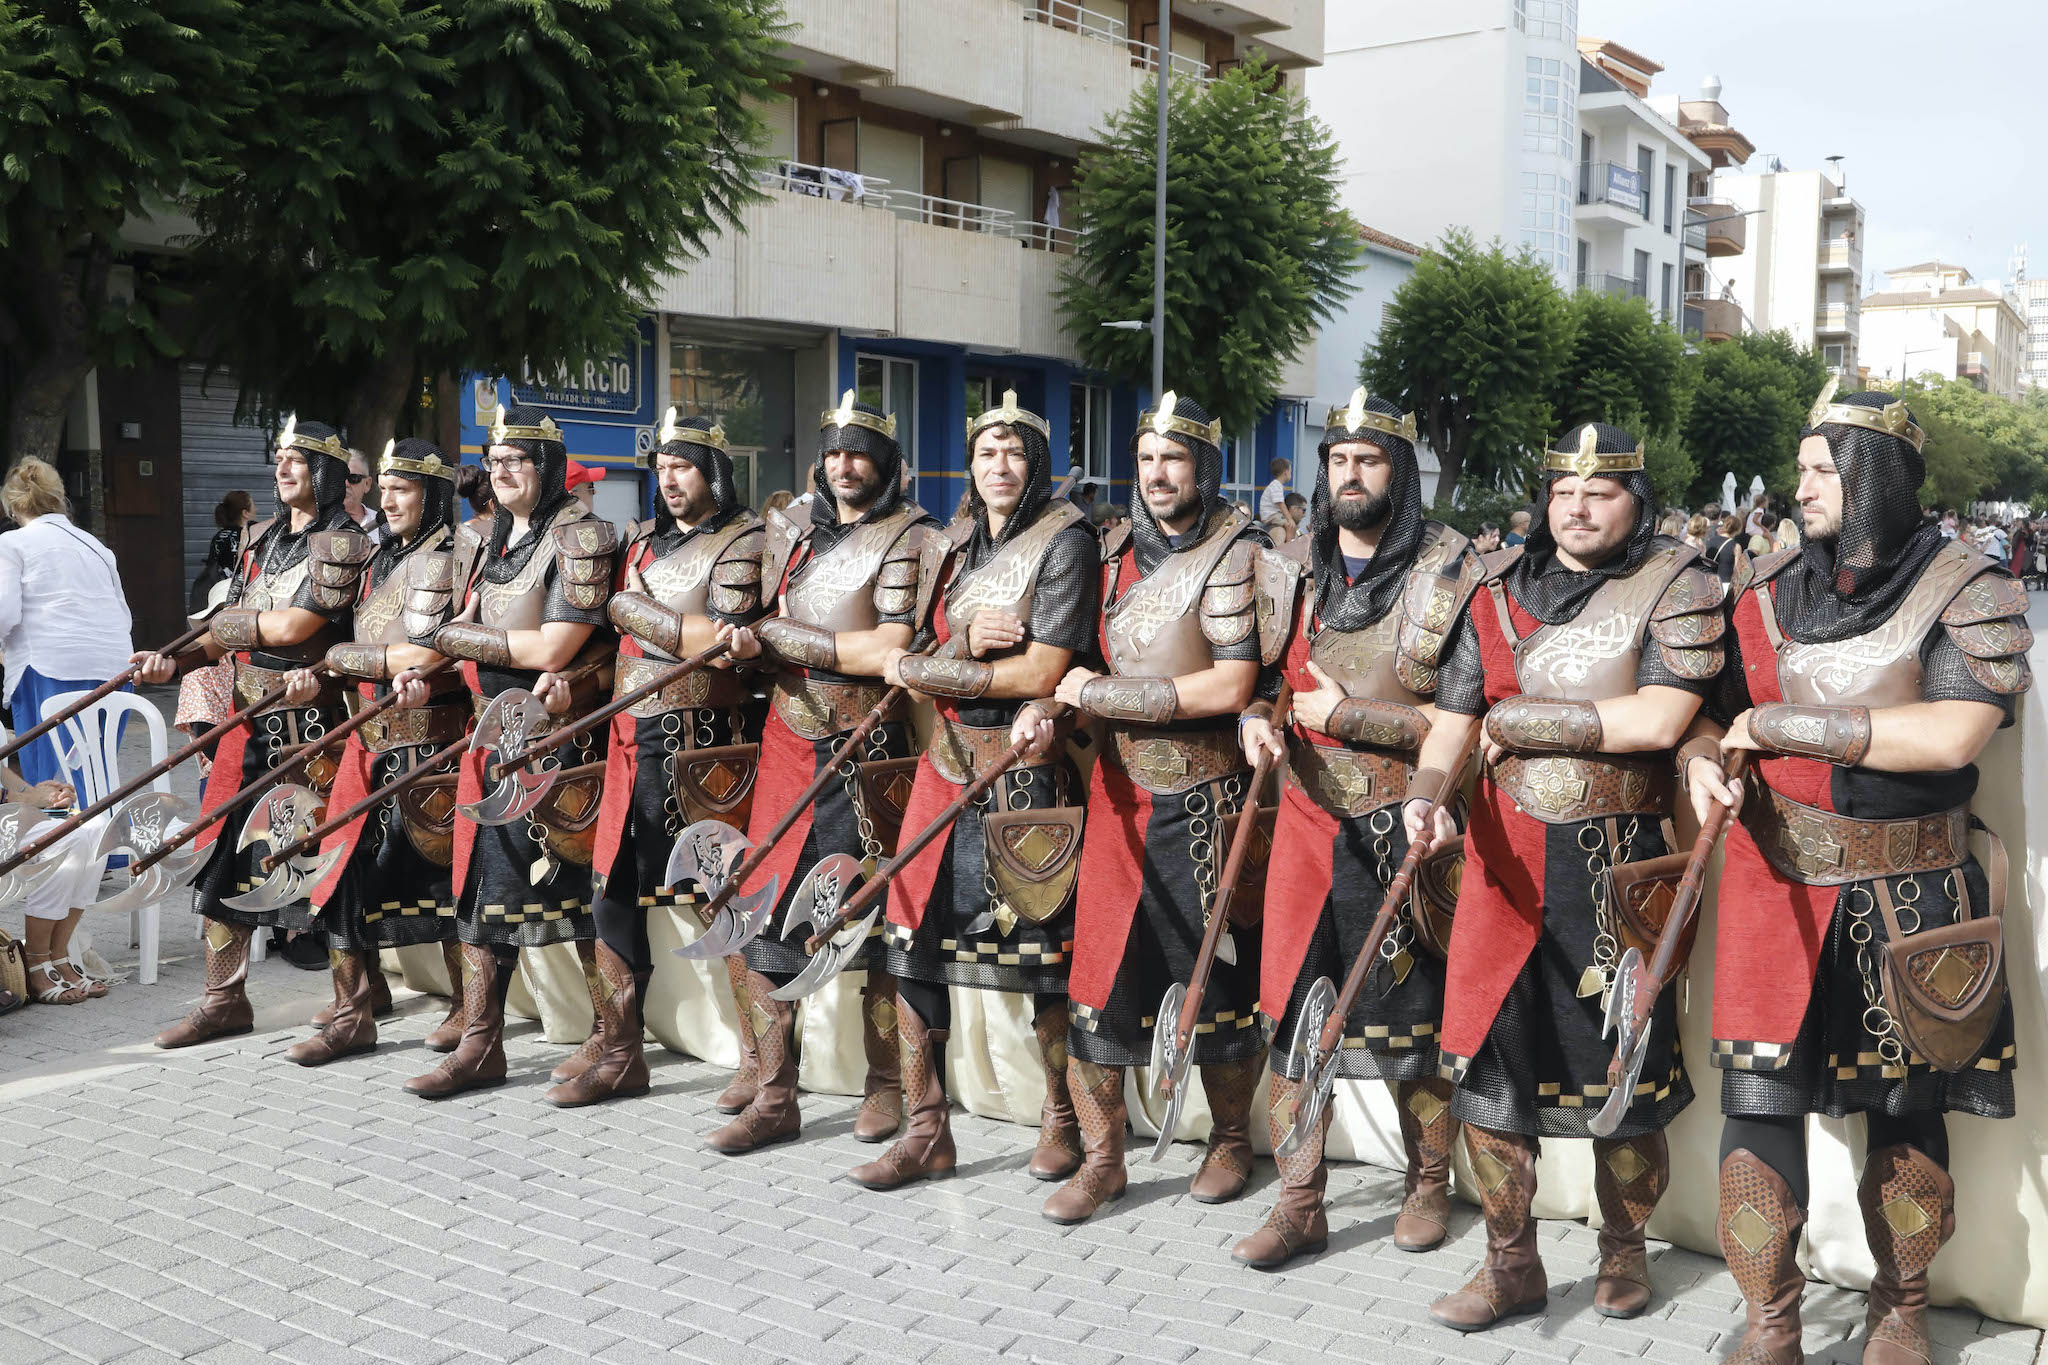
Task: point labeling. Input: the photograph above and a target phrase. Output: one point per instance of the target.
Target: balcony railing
(1720, 318)
(823, 182)
(1622, 286)
(1078, 18)
(1693, 322)
(1725, 230)
(1695, 234)
(1841, 254)
(953, 213)
(1837, 317)
(1603, 182)
(1145, 56)
(1045, 237)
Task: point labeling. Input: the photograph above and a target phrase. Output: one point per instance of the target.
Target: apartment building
(1933, 318)
(1635, 169)
(1715, 228)
(915, 222)
(2034, 299)
(1802, 258)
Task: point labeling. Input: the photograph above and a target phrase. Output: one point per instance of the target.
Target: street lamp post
(1159, 207)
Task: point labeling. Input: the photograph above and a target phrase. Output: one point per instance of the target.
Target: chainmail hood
(1037, 485)
(1346, 605)
(552, 457)
(713, 461)
(1148, 540)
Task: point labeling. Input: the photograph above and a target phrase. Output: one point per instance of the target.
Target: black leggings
(622, 927)
(934, 1002)
(1779, 1141)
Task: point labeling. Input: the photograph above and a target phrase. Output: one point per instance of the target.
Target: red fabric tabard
(1113, 871)
(469, 787)
(351, 784)
(223, 780)
(1770, 928)
(788, 765)
(1296, 889)
(621, 767)
(911, 889)
(1500, 904)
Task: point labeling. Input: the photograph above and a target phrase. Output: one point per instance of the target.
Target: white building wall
(1909, 341)
(1620, 127)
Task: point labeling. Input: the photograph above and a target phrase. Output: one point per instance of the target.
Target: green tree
(1978, 445)
(1623, 364)
(1258, 251)
(1746, 400)
(109, 110)
(1474, 344)
(470, 184)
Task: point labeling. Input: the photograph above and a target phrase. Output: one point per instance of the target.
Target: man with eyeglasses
(534, 608)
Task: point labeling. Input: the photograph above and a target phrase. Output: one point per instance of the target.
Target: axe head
(1631, 1037)
(291, 880)
(1169, 1066)
(1304, 1058)
(19, 826)
(736, 924)
(816, 902)
(139, 827)
(504, 732)
(706, 853)
(832, 957)
(286, 814)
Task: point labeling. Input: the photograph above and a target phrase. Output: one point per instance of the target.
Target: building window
(1558, 19)
(891, 385)
(1832, 356)
(1671, 199)
(1646, 171)
(1549, 106)
(1088, 431)
(1642, 275)
(1669, 271)
(1546, 220)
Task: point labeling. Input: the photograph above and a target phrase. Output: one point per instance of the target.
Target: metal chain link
(1606, 940)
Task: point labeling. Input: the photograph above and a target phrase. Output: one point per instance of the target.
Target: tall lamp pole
(1159, 208)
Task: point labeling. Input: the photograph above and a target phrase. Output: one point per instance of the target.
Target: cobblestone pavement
(219, 1205)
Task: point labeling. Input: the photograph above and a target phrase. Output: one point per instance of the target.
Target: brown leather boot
(925, 1151)
(772, 1115)
(1511, 1279)
(1098, 1093)
(621, 1069)
(1909, 1212)
(1227, 1165)
(572, 1066)
(881, 1105)
(1629, 1177)
(1427, 1132)
(380, 993)
(223, 1010)
(740, 1093)
(478, 1062)
(350, 1030)
(1058, 1153)
(1297, 1226)
(1758, 1230)
(448, 1032)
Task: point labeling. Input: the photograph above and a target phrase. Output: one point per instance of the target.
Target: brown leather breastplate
(274, 592)
(836, 589)
(1155, 629)
(1362, 661)
(519, 603)
(1594, 655)
(380, 617)
(682, 581)
(1877, 669)
(1007, 582)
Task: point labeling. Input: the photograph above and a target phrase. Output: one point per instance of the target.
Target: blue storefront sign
(605, 407)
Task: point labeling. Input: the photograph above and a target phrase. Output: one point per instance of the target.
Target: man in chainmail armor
(1857, 966)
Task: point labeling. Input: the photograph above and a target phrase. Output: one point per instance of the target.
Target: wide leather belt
(439, 722)
(960, 751)
(1349, 782)
(252, 682)
(1167, 762)
(1561, 789)
(704, 687)
(817, 710)
(1821, 848)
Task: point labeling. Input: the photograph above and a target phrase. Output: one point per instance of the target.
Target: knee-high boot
(1427, 1132)
(1297, 1226)
(478, 1061)
(925, 1151)
(772, 1115)
(1629, 1177)
(349, 1029)
(1227, 1164)
(448, 1032)
(881, 1105)
(621, 1066)
(1758, 1230)
(1909, 1212)
(747, 1080)
(1098, 1093)
(380, 992)
(572, 1066)
(223, 1010)
(1511, 1280)
(1058, 1152)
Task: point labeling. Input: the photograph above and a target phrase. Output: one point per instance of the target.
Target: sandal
(95, 988)
(58, 991)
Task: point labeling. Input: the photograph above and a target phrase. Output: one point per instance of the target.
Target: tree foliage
(1978, 445)
(1745, 403)
(1259, 252)
(1475, 344)
(109, 110)
(1623, 367)
(469, 184)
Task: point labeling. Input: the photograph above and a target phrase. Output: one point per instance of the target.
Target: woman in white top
(64, 626)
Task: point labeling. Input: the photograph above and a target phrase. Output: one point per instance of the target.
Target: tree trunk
(53, 347)
(380, 401)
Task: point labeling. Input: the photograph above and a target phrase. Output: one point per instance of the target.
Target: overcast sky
(1932, 106)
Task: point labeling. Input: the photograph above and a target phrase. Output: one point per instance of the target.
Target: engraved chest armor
(521, 602)
(1007, 581)
(268, 590)
(836, 589)
(1594, 656)
(682, 581)
(1877, 669)
(380, 617)
(1154, 630)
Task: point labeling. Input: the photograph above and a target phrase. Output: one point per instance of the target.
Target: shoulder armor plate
(1497, 562)
(1984, 598)
(1277, 579)
(1445, 575)
(334, 566)
(1229, 611)
(1114, 543)
(1987, 621)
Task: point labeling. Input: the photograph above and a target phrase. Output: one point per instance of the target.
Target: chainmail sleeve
(1653, 671)
(1947, 676)
(558, 607)
(1065, 603)
(1460, 676)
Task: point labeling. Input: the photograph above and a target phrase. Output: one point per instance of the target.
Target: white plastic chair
(89, 750)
